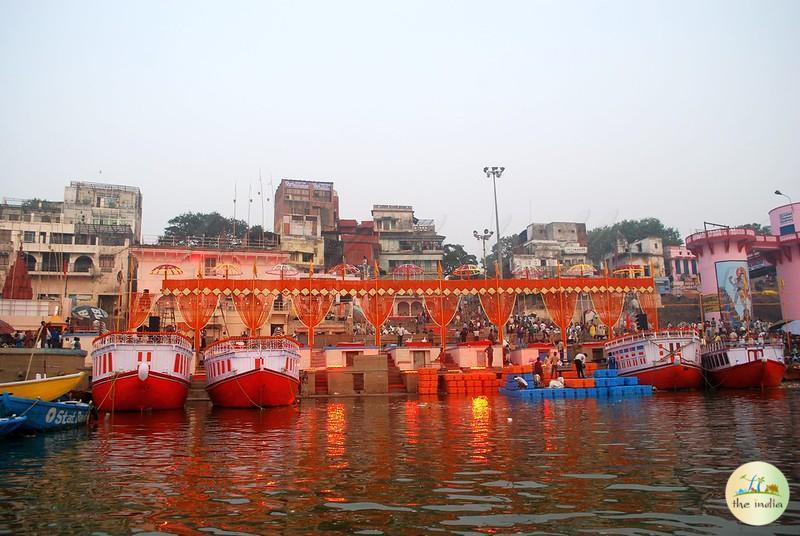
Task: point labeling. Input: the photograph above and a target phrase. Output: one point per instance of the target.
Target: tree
(211, 224)
(507, 243)
(603, 240)
(758, 228)
(455, 256)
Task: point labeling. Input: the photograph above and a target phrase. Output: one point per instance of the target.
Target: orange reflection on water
(480, 426)
(335, 426)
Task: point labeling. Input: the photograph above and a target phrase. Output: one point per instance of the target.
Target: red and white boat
(665, 359)
(137, 371)
(253, 372)
(738, 365)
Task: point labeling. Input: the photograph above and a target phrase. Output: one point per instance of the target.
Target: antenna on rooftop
(249, 204)
(261, 193)
(234, 210)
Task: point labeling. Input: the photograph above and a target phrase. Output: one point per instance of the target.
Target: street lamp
(494, 173)
(778, 192)
(487, 234)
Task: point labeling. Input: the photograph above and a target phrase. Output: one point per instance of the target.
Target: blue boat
(9, 424)
(43, 416)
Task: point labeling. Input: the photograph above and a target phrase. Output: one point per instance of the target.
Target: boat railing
(130, 337)
(226, 346)
(719, 346)
(644, 335)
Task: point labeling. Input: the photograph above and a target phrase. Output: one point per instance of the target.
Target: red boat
(735, 365)
(668, 359)
(253, 372)
(137, 371)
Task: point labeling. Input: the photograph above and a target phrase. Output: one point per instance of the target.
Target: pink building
(680, 265)
(786, 257)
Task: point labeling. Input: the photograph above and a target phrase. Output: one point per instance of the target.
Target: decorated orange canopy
(581, 270)
(283, 270)
(467, 270)
(140, 304)
(629, 270)
(166, 270)
(344, 269)
(226, 269)
(407, 270)
(528, 272)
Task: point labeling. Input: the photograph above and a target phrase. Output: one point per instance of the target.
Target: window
(308, 257)
(209, 265)
(5, 235)
(60, 238)
(677, 266)
(106, 263)
(3, 260)
(694, 267)
(29, 237)
(686, 266)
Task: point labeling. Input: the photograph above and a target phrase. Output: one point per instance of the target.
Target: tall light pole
(494, 173)
(487, 234)
(778, 192)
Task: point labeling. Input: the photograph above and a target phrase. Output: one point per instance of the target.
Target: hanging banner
(733, 289)
(608, 306)
(140, 303)
(376, 310)
(311, 310)
(253, 310)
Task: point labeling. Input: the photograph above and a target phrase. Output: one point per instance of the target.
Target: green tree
(507, 243)
(455, 256)
(758, 228)
(211, 224)
(602, 240)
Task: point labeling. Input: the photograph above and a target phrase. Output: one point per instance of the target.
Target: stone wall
(52, 361)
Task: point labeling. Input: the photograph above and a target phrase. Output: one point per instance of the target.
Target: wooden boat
(139, 371)
(738, 365)
(43, 416)
(253, 372)
(9, 424)
(665, 359)
(46, 389)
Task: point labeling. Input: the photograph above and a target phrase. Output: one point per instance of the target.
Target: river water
(381, 465)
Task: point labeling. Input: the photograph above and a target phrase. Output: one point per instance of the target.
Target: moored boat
(739, 365)
(44, 388)
(665, 359)
(41, 416)
(248, 372)
(137, 371)
(10, 424)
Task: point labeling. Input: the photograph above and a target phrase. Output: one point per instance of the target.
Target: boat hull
(762, 374)
(670, 377)
(127, 392)
(44, 416)
(255, 388)
(46, 389)
(10, 424)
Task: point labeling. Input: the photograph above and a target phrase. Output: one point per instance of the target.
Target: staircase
(321, 376)
(197, 389)
(396, 384)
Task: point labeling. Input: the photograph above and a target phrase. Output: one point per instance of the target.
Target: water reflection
(379, 465)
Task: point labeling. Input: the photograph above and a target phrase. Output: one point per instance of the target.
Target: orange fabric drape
(498, 307)
(608, 306)
(196, 310)
(649, 305)
(253, 310)
(560, 306)
(442, 309)
(311, 310)
(376, 310)
(140, 304)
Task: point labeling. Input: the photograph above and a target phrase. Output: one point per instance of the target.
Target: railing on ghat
(674, 332)
(130, 337)
(238, 344)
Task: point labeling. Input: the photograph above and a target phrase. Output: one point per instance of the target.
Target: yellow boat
(46, 389)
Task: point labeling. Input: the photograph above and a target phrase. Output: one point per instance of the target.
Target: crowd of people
(47, 336)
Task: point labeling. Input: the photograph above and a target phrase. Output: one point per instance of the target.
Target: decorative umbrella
(165, 270)
(283, 270)
(5, 328)
(87, 312)
(407, 270)
(467, 270)
(527, 273)
(581, 270)
(629, 270)
(344, 269)
(227, 269)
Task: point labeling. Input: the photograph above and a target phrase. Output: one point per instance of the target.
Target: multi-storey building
(360, 244)
(681, 268)
(550, 244)
(306, 217)
(645, 256)
(405, 239)
(75, 250)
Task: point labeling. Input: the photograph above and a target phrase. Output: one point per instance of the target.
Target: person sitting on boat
(557, 384)
(521, 382)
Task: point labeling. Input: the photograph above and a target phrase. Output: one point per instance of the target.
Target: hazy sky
(600, 111)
